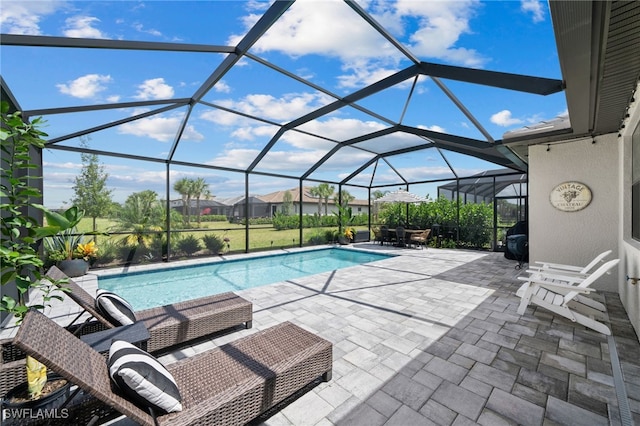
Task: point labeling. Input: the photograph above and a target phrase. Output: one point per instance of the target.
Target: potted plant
(22, 266)
(66, 249)
(347, 235)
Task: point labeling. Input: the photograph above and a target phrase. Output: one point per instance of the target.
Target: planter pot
(49, 402)
(74, 267)
(343, 240)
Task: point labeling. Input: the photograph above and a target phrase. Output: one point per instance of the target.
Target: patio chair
(421, 238)
(174, 324)
(387, 237)
(564, 295)
(231, 384)
(570, 269)
(400, 237)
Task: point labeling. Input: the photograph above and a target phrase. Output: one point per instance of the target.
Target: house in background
(276, 201)
(268, 205)
(237, 205)
(207, 207)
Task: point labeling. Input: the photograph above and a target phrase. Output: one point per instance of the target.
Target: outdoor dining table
(407, 235)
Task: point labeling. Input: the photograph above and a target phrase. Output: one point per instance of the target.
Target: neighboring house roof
(194, 203)
(253, 199)
(278, 196)
(273, 198)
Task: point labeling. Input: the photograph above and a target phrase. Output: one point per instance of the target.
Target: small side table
(135, 333)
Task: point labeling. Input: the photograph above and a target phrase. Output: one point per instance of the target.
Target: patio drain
(618, 381)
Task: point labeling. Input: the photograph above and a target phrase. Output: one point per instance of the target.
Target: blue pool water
(164, 286)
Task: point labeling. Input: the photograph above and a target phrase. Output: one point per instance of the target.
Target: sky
(324, 42)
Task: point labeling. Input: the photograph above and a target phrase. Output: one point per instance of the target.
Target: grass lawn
(260, 236)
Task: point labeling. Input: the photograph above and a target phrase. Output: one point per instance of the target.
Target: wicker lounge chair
(231, 384)
(177, 323)
(168, 325)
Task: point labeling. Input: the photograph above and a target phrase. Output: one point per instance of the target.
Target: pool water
(164, 286)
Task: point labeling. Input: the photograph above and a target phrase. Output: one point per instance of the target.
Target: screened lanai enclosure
(276, 124)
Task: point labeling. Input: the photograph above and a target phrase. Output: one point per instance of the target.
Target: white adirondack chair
(569, 269)
(565, 296)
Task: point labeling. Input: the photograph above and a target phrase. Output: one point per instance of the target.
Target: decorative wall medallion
(570, 196)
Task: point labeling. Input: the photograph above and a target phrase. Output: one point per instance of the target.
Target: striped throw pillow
(117, 310)
(142, 379)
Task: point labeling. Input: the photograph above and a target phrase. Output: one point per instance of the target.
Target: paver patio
(432, 337)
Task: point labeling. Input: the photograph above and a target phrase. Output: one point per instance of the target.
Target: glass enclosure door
(508, 211)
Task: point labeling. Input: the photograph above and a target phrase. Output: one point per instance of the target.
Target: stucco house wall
(575, 237)
(629, 248)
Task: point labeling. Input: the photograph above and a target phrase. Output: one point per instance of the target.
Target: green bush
(213, 218)
(474, 227)
(189, 245)
(281, 222)
(318, 237)
(107, 251)
(476, 224)
(213, 243)
(131, 254)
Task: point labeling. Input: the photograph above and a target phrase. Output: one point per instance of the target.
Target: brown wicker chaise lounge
(228, 385)
(168, 325)
(174, 324)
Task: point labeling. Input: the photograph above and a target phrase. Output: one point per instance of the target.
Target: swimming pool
(169, 285)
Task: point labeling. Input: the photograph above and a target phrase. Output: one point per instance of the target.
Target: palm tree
(199, 188)
(325, 191)
(142, 214)
(314, 191)
(182, 186)
(346, 198)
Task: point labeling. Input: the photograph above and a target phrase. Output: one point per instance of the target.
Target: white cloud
(336, 128)
(434, 128)
(82, 26)
(534, 7)
(440, 25)
(414, 174)
(282, 109)
(140, 28)
(321, 27)
(154, 88)
(87, 86)
(363, 73)
(222, 87)
(504, 119)
(328, 28)
(160, 128)
(286, 161)
(249, 133)
(22, 17)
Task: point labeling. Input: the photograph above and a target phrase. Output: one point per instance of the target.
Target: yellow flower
(88, 250)
(348, 232)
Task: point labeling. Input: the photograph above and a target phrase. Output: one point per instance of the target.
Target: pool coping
(223, 258)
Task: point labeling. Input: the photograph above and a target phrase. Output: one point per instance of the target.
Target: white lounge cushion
(142, 378)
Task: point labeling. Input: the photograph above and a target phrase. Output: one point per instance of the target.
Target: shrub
(213, 243)
(108, 252)
(476, 224)
(189, 245)
(318, 237)
(213, 218)
(130, 253)
(281, 222)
